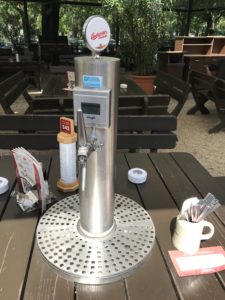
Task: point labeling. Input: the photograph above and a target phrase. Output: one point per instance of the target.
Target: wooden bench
(202, 90)
(143, 105)
(146, 132)
(51, 105)
(174, 87)
(29, 131)
(134, 132)
(30, 68)
(5, 51)
(14, 86)
(218, 91)
(217, 69)
(11, 88)
(139, 105)
(206, 87)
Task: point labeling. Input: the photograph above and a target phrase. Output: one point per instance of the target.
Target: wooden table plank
(190, 183)
(42, 282)
(16, 243)
(16, 235)
(168, 171)
(112, 291)
(202, 180)
(122, 185)
(7, 170)
(152, 193)
(143, 284)
(180, 195)
(175, 179)
(205, 183)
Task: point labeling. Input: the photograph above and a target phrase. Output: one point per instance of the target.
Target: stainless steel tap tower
(97, 236)
(97, 165)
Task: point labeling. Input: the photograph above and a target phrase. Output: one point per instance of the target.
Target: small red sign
(207, 260)
(65, 125)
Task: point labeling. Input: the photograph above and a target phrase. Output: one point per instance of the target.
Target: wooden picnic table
(30, 68)
(56, 84)
(172, 178)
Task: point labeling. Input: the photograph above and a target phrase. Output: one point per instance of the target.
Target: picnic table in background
(57, 98)
(206, 87)
(57, 84)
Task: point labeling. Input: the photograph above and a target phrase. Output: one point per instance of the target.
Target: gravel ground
(193, 137)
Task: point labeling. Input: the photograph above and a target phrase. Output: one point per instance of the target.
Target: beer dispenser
(96, 236)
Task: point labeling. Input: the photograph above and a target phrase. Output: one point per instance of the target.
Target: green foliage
(34, 15)
(137, 25)
(168, 25)
(139, 31)
(204, 20)
(73, 17)
(198, 3)
(12, 22)
(221, 26)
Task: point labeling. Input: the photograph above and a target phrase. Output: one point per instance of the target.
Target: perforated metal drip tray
(95, 261)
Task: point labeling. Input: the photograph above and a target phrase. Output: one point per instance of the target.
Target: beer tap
(85, 146)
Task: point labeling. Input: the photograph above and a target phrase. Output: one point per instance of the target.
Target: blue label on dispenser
(92, 82)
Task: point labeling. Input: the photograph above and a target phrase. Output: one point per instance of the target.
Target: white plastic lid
(4, 185)
(96, 32)
(123, 86)
(137, 175)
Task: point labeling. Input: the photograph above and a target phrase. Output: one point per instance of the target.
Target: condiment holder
(190, 223)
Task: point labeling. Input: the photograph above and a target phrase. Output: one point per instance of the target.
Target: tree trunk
(209, 24)
(50, 20)
(26, 25)
(187, 27)
(182, 18)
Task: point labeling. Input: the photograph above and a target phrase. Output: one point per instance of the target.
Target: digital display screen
(90, 108)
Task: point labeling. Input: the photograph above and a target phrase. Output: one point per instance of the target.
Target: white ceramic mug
(187, 235)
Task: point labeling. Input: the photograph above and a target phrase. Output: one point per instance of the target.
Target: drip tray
(92, 260)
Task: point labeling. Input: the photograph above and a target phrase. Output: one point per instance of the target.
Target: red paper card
(205, 261)
(65, 125)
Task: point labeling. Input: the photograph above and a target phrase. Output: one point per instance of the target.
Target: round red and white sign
(96, 32)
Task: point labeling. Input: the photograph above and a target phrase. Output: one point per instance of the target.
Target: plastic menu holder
(205, 261)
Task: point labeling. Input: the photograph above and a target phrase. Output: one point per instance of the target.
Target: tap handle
(82, 137)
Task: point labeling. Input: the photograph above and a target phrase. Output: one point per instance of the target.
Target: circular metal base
(94, 260)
